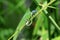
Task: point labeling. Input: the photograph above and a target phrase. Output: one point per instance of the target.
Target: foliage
(29, 20)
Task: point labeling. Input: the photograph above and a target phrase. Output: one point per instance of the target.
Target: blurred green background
(13, 12)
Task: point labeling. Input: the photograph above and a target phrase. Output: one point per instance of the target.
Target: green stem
(54, 22)
(45, 7)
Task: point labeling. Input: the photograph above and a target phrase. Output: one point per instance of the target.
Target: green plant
(42, 25)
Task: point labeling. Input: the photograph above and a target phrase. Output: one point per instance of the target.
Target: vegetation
(29, 20)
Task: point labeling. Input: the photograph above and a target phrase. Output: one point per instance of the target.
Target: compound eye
(33, 12)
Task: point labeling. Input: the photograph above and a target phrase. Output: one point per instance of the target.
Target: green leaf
(22, 23)
(56, 38)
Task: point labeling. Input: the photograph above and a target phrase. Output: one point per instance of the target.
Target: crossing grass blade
(21, 24)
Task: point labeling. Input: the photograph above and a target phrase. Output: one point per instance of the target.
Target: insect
(28, 21)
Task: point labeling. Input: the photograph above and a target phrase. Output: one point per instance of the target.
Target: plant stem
(54, 22)
(45, 7)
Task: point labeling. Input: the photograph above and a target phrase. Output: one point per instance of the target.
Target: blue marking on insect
(33, 12)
